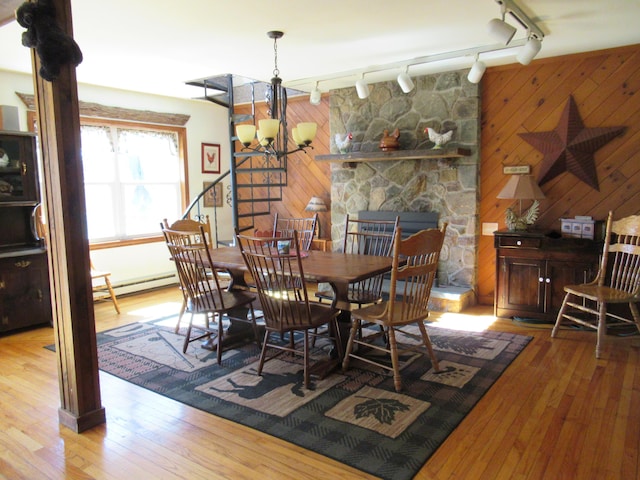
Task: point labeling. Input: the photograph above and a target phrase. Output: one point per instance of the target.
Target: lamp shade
(246, 133)
(269, 128)
(316, 204)
(521, 187)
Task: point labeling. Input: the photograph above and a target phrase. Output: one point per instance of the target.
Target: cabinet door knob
(548, 280)
(519, 242)
(540, 279)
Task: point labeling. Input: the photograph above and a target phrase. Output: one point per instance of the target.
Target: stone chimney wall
(448, 186)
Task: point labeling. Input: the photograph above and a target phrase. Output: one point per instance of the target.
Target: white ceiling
(155, 46)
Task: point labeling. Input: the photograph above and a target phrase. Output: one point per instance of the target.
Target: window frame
(181, 133)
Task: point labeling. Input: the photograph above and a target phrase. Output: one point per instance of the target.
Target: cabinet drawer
(519, 242)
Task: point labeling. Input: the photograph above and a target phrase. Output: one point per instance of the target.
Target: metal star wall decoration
(570, 147)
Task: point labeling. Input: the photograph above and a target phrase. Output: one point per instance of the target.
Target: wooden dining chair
(202, 291)
(617, 282)
(366, 237)
(415, 264)
(306, 228)
(286, 308)
(194, 226)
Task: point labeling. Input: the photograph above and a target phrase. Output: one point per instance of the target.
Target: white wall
(207, 124)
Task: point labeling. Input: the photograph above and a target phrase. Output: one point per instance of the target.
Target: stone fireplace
(447, 186)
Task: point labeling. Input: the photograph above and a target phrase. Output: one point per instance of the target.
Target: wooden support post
(69, 264)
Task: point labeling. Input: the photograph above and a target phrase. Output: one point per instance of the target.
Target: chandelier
(271, 134)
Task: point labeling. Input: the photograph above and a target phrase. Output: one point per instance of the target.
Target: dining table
(335, 268)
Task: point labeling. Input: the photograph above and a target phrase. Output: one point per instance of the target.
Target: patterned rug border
(319, 416)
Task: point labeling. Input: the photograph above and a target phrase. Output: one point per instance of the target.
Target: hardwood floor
(556, 413)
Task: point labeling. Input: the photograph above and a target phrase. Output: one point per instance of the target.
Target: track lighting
(405, 82)
(362, 88)
(529, 51)
(477, 71)
(500, 29)
(316, 96)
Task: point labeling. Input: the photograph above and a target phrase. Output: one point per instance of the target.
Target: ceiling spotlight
(405, 82)
(477, 71)
(500, 29)
(529, 51)
(316, 96)
(362, 88)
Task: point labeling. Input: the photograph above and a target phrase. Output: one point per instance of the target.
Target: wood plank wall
(306, 177)
(518, 99)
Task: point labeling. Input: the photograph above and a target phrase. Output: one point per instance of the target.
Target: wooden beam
(69, 266)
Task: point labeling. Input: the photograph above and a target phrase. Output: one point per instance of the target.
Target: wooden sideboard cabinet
(24, 291)
(24, 272)
(532, 269)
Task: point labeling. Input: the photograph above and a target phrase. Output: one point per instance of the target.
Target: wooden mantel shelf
(446, 152)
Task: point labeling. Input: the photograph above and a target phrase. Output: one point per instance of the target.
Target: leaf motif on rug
(384, 410)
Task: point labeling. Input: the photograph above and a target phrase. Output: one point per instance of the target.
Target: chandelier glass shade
(271, 133)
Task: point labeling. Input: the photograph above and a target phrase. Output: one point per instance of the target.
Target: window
(133, 179)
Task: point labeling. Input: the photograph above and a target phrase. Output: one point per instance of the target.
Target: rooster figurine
(343, 144)
(439, 139)
(529, 217)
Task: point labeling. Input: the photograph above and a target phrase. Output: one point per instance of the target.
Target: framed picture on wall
(210, 158)
(213, 197)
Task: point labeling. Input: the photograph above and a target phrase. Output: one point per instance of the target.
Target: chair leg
(563, 307)
(393, 351)
(427, 343)
(306, 358)
(355, 328)
(635, 314)
(188, 335)
(219, 347)
(602, 327)
(113, 294)
(183, 308)
(263, 352)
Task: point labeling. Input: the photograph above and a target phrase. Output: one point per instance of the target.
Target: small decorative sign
(516, 169)
(210, 158)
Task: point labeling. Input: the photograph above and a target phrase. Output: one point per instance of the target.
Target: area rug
(355, 417)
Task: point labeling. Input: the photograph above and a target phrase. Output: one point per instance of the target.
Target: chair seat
(601, 293)
(230, 299)
(360, 298)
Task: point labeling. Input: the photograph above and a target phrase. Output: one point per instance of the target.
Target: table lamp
(316, 204)
(521, 187)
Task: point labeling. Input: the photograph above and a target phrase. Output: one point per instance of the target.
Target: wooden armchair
(366, 237)
(617, 282)
(202, 292)
(415, 264)
(286, 307)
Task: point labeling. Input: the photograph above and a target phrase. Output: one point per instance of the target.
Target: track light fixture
(529, 51)
(477, 70)
(405, 82)
(501, 30)
(316, 96)
(362, 88)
